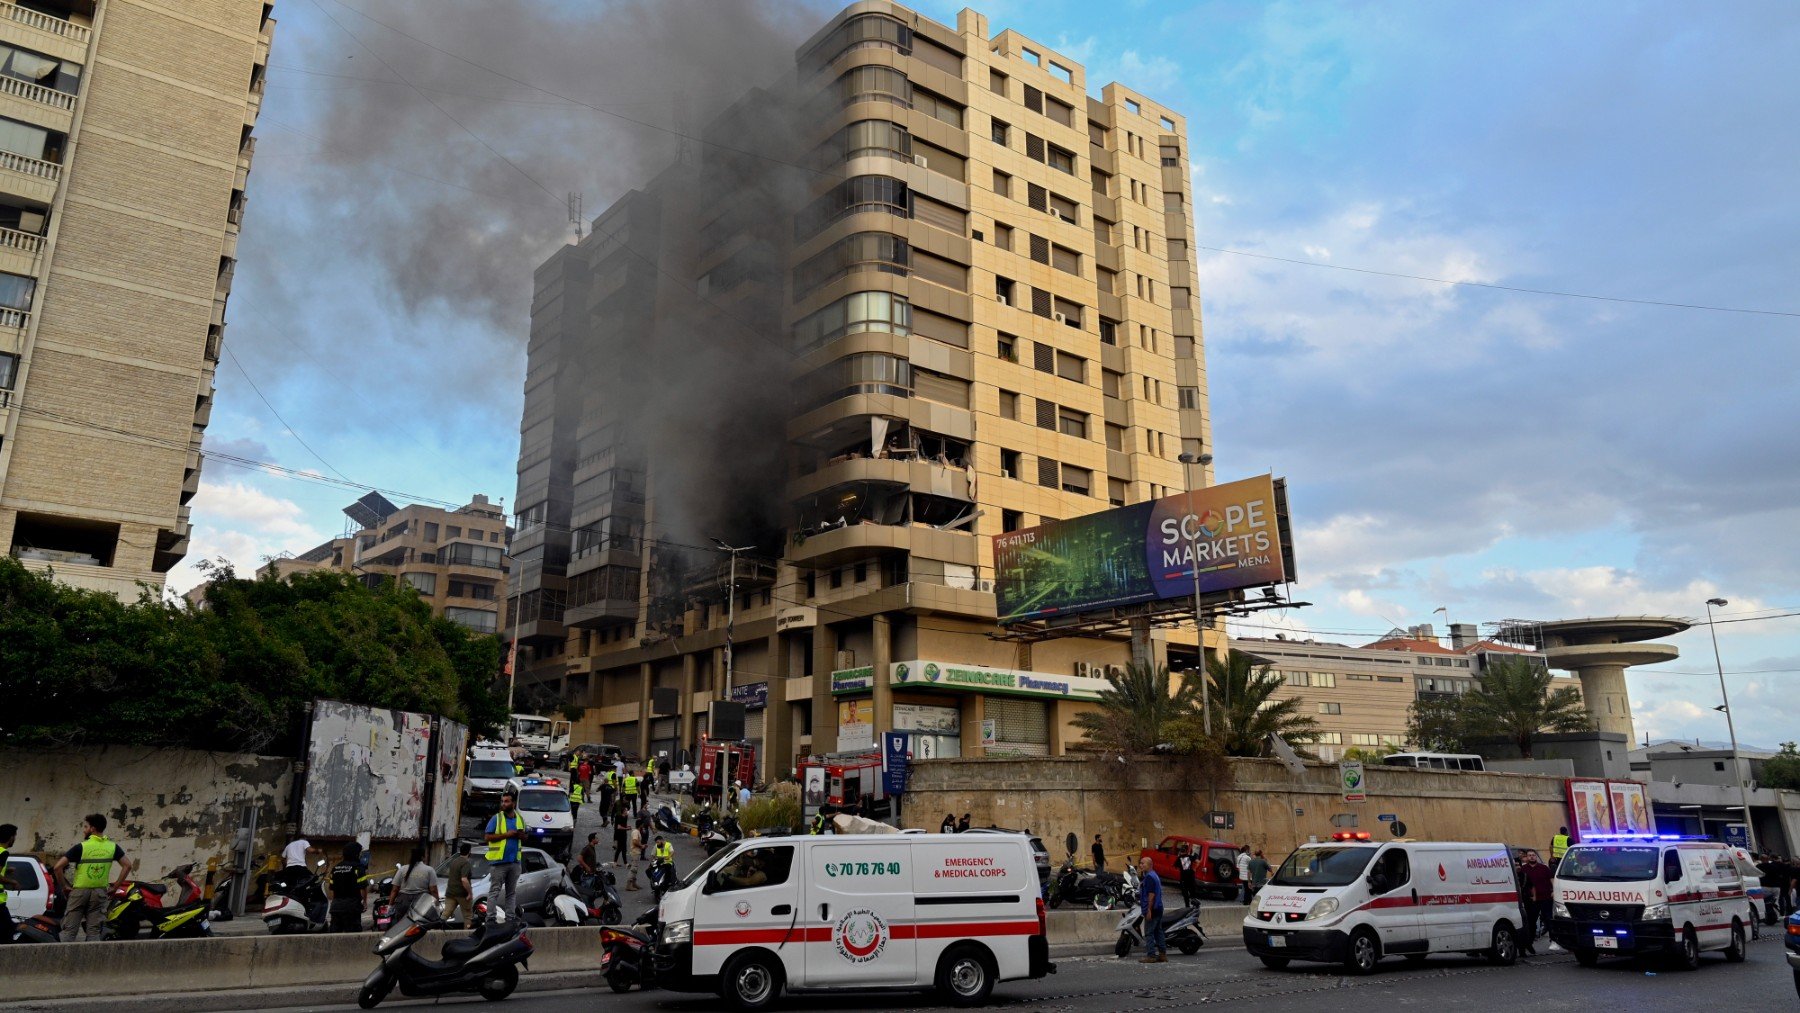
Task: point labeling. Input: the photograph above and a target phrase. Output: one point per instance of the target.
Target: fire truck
(841, 781)
(721, 763)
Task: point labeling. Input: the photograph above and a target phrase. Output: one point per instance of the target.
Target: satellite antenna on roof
(575, 214)
(371, 510)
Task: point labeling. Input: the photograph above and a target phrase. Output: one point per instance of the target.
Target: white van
(490, 768)
(899, 912)
(1352, 901)
(1649, 895)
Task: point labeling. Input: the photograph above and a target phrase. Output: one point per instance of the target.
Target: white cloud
(241, 524)
(1152, 75)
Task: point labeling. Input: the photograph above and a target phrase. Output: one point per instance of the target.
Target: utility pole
(730, 606)
(1737, 765)
(1199, 623)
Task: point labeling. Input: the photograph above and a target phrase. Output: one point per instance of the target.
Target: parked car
(35, 890)
(1215, 872)
(538, 873)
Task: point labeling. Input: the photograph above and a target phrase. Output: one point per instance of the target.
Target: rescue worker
(650, 774)
(576, 797)
(8, 833)
(665, 853)
(349, 891)
(1558, 846)
(505, 829)
(631, 791)
(91, 883)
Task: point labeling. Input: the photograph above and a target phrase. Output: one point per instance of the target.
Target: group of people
(1781, 878)
(85, 871)
(623, 792)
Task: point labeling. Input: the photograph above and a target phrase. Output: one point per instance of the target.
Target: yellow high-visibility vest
(496, 850)
(1558, 845)
(92, 870)
(631, 784)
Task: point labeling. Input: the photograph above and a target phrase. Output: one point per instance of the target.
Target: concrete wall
(1145, 799)
(165, 807)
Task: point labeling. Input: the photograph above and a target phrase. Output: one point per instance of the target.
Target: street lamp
(1737, 767)
(1194, 567)
(730, 605)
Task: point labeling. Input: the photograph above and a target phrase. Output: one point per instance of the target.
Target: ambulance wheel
(1189, 946)
(1587, 958)
(1687, 957)
(1365, 953)
(1504, 950)
(1281, 963)
(752, 981)
(1735, 953)
(965, 975)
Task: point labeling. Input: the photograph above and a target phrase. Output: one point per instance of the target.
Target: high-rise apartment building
(125, 143)
(456, 559)
(978, 285)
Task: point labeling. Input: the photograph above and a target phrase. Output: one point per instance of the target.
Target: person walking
(1542, 885)
(415, 881)
(459, 888)
(1259, 872)
(743, 796)
(1099, 852)
(631, 790)
(1559, 844)
(576, 797)
(949, 824)
(644, 830)
(1243, 871)
(650, 775)
(348, 891)
(505, 829)
(1184, 864)
(90, 884)
(1150, 897)
(621, 840)
(8, 833)
(584, 775)
(606, 797)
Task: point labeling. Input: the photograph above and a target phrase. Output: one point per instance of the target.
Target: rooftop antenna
(575, 214)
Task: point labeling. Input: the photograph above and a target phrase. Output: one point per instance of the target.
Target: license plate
(605, 959)
(1605, 943)
(1277, 940)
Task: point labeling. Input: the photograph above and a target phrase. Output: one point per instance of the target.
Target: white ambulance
(1352, 901)
(1632, 894)
(838, 912)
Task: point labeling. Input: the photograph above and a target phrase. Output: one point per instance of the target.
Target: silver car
(538, 873)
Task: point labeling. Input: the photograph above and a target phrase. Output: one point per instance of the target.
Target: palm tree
(1245, 712)
(1135, 712)
(1513, 699)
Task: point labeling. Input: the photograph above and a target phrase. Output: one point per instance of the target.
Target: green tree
(1513, 699)
(1135, 713)
(1781, 770)
(1438, 724)
(1244, 710)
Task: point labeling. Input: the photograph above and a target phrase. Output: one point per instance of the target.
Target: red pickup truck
(1215, 867)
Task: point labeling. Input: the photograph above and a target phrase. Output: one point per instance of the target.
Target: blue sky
(1497, 454)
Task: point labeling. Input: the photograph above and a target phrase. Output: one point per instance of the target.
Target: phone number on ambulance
(968, 868)
(862, 868)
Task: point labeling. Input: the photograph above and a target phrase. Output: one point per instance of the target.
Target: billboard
(1608, 807)
(1230, 534)
(366, 770)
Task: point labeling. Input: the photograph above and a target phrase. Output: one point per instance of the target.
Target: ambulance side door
(1394, 908)
(859, 914)
(751, 900)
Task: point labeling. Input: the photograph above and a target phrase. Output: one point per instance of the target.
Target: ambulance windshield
(1326, 866)
(1612, 864)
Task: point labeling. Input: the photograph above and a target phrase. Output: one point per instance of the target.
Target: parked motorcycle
(627, 955)
(1084, 887)
(1181, 930)
(43, 928)
(135, 902)
(662, 877)
(667, 821)
(722, 833)
(296, 906)
(594, 902)
(486, 961)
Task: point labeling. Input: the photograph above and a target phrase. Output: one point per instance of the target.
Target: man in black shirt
(962, 825)
(1099, 851)
(348, 893)
(1184, 863)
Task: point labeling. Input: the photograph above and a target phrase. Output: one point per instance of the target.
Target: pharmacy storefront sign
(926, 674)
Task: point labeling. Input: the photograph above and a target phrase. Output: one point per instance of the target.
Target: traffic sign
(1387, 817)
(1737, 835)
(1350, 777)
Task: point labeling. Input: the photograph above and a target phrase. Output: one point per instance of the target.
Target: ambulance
(1626, 894)
(955, 913)
(1353, 901)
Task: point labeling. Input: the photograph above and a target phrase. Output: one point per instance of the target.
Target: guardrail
(37, 93)
(30, 166)
(46, 23)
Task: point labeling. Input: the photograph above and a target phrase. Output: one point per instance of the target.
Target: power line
(291, 431)
(1502, 288)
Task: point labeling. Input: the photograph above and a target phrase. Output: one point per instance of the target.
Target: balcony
(601, 614)
(860, 541)
(37, 93)
(45, 23)
(14, 319)
(920, 476)
(24, 242)
(39, 170)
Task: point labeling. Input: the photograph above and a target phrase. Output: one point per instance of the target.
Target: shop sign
(990, 731)
(914, 717)
(755, 696)
(852, 680)
(1007, 681)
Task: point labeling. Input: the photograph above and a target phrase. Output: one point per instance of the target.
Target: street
(1226, 974)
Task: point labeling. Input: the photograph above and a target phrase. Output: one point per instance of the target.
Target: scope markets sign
(1008, 681)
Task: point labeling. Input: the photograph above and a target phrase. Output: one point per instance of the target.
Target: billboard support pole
(1199, 626)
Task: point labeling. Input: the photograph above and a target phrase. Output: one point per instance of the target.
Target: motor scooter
(1083, 887)
(662, 878)
(296, 905)
(720, 834)
(136, 901)
(594, 902)
(666, 820)
(486, 961)
(628, 955)
(1181, 930)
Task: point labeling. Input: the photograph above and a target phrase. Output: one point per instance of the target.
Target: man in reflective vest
(665, 853)
(650, 771)
(1558, 845)
(90, 885)
(505, 829)
(631, 792)
(8, 833)
(576, 797)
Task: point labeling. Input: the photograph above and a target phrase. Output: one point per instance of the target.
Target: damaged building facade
(923, 291)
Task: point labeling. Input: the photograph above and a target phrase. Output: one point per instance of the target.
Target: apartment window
(1327, 739)
(1007, 347)
(1040, 302)
(1171, 200)
(1040, 249)
(1036, 197)
(864, 251)
(21, 219)
(1002, 184)
(1009, 464)
(1302, 679)
(1034, 99)
(32, 142)
(875, 84)
(1390, 678)
(424, 583)
(996, 82)
(1115, 437)
(1134, 107)
(461, 554)
(873, 138)
(1066, 260)
(1011, 520)
(431, 531)
(1071, 367)
(1061, 112)
(1116, 491)
(1150, 391)
(1110, 382)
(1003, 236)
(1046, 414)
(1364, 739)
(1353, 677)
(1060, 160)
(455, 532)
(1102, 181)
(1005, 290)
(1109, 329)
(862, 572)
(1103, 231)
(1190, 397)
(837, 578)
(1034, 147)
(1078, 480)
(856, 195)
(1047, 473)
(9, 370)
(478, 620)
(1001, 133)
(15, 291)
(939, 387)
(1009, 405)
(1072, 423)
(470, 589)
(1063, 208)
(1324, 679)
(1331, 708)
(860, 311)
(1070, 312)
(38, 69)
(938, 107)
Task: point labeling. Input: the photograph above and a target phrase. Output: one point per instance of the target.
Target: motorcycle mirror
(1071, 842)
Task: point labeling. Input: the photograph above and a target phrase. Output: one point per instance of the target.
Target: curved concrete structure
(1598, 651)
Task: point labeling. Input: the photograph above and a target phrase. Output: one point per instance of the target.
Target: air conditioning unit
(1060, 318)
(1118, 670)
(1002, 300)
(919, 160)
(1083, 670)
(846, 659)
